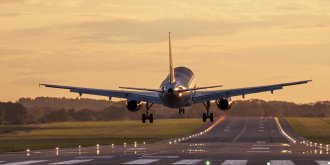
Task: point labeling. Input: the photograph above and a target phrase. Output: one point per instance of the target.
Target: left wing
(203, 96)
(150, 97)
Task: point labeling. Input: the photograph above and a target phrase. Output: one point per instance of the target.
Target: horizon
(107, 44)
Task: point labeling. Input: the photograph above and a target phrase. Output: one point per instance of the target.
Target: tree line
(45, 109)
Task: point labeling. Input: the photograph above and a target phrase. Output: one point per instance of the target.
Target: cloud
(11, 14)
(125, 30)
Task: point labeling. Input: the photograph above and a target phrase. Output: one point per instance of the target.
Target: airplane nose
(170, 91)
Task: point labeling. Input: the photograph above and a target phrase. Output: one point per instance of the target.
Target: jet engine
(224, 104)
(133, 105)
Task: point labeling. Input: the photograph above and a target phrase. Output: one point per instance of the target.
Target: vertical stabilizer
(170, 60)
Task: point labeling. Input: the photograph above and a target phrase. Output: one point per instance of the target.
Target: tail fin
(171, 76)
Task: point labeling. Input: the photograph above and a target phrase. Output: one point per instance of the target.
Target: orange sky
(106, 44)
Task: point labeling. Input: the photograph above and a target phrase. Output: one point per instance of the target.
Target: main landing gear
(181, 110)
(147, 115)
(207, 115)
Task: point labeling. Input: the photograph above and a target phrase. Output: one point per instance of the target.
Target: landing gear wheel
(181, 110)
(204, 117)
(211, 117)
(147, 115)
(207, 115)
(144, 118)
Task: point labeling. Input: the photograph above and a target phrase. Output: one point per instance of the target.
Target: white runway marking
(260, 148)
(259, 151)
(26, 162)
(188, 161)
(323, 162)
(241, 133)
(94, 157)
(142, 161)
(234, 162)
(160, 157)
(74, 161)
(281, 162)
(261, 141)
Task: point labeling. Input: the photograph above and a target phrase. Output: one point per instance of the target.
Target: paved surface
(228, 141)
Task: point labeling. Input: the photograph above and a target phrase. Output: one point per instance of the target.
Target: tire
(204, 117)
(182, 110)
(151, 118)
(211, 117)
(143, 118)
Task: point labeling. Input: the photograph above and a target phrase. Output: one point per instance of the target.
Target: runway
(228, 141)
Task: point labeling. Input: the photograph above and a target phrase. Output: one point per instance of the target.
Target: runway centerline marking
(74, 161)
(234, 162)
(241, 133)
(188, 161)
(142, 161)
(281, 162)
(26, 162)
(323, 162)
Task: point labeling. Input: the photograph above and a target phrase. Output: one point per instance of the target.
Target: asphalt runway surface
(227, 141)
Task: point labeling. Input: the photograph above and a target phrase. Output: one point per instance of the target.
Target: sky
(110, 43)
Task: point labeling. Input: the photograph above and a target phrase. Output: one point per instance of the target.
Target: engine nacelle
(224, 104)
(133, 105)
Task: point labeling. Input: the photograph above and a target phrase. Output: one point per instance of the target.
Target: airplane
(178, 90)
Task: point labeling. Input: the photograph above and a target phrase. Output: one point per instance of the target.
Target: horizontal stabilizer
(199, 88)
(142, 89)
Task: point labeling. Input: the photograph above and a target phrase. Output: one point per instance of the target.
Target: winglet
(171, 76)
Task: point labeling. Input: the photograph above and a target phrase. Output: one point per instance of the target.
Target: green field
(314, 129)
(73, 134)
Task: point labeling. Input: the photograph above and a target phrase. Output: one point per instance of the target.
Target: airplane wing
(203, 96)
(150, 97)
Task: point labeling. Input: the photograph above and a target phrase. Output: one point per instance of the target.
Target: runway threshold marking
(160, 157)
(281, 162)
(260, 148)
(142, 161)
(26, 162)
(257, 151)
(234, 162)
(323, 162)
(188, 161)
(94, 157)
(74, 161)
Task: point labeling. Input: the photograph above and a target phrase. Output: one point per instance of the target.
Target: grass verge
(314, 129)
(72, 134)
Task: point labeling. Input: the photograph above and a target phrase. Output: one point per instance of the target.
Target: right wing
(203, 96)
(150, 97)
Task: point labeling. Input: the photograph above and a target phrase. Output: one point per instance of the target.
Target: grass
(314, 129)
(72, 134)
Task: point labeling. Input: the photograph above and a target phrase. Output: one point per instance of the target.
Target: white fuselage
(184, 79)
